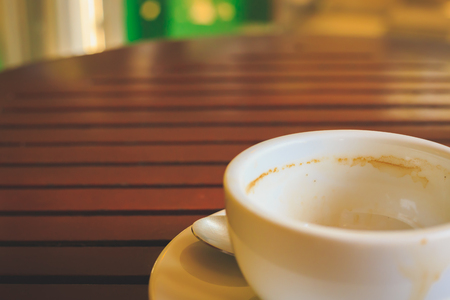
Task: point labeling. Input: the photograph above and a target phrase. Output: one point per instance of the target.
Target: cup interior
(349, 179)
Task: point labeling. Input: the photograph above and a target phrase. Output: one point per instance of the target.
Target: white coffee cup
(342, 214)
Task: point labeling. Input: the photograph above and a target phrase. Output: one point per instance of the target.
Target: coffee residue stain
(253, 183)
(312, 161)
(422, 280)
(288, 166)
(444, 170)
(394, 166)
(423, 241)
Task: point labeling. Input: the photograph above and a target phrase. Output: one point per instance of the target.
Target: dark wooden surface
(105, 158)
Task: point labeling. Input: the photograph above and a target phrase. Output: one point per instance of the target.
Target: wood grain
(227, 117)
(119, 177)
(178, 200)
(195, 135)
(91, 261)
(120, 155)
(105, 158)
(93, 228)
(73, 291)
(104, 102)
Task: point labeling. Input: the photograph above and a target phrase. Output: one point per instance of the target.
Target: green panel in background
(190, 18)
(145, 19)
(154, 18)
(257, 10)
(132, 20)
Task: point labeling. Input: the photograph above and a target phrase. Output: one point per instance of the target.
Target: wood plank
(89, 103)
(208, 90)
(413, 66)
(288, 81)
(119, 177)
(104, 200)
(249, 76)
(92, 261)
(278, 87)
(156, 154)
(73, 291)
(303, 56)
(193, 135)
(93, 228)
(278, 116)
(223, 63)
(258, 66)
(77, 156)
(312, 77)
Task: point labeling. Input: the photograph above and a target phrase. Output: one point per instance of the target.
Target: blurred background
(35, 30)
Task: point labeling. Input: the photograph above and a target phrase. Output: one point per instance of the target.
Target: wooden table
(105, 158)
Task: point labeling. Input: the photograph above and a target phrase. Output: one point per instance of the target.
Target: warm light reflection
(150, 10)
(202, 12)
(92, 32)
(446, 9)
(226, 11)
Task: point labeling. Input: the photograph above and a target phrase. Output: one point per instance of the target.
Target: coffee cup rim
(233, 186)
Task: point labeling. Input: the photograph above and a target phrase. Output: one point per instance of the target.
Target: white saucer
(190, 270)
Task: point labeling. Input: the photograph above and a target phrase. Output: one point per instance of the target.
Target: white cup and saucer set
(323, 215)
